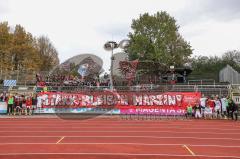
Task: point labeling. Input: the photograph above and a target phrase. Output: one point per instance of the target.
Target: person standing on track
(28, 110)
(197, 110)
(34, 102)
(224, 103)
(233, 110)
(10, 103)
(23, 104)
(228, 107)
(203, 102)
(189, 113)
(217, 108)
(17, 108)
(208, 112)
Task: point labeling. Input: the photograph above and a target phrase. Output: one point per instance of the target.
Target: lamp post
(173, 75)
(110, 46)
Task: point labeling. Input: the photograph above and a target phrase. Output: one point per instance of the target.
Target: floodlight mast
(110, 46)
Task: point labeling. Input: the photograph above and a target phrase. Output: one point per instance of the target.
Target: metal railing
(207, 90)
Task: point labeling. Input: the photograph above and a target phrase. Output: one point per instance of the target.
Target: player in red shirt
(28, 110)
(211, 103)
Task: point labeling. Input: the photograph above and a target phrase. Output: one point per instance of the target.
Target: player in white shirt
(224, 107)
(203, 102)
(208, 112)
(217, 109)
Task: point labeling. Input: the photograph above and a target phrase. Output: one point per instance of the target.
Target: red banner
(107, 99)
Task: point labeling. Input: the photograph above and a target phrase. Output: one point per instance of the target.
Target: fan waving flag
(128, 68)
(83, 70)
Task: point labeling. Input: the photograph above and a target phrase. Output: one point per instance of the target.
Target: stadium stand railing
(208, 90)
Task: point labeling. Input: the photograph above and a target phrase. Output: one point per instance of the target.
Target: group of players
(214, 107)
(18, 104)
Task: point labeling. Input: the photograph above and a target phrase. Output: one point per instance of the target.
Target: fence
(207, 90)
(22, 77)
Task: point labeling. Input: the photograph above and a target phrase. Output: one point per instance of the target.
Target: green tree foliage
(21, 51)
(232, 58)
(208, 67)
(155, 38)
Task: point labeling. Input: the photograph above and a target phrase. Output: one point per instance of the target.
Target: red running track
(115, 138)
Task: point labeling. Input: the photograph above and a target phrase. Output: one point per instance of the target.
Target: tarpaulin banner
(121, 100)
(3, 107)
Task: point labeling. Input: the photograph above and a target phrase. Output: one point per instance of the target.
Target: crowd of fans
(19, 104)
(213, 108)
(68, 80)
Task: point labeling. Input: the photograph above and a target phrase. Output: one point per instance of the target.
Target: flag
(128, 68)
(91, 66)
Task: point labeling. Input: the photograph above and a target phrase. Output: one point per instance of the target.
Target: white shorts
(23, 105)
(18, 107)
(198, 114)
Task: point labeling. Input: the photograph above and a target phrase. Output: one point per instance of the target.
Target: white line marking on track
(189, 150)
(154, 137)
(140, 144)
(193, 132)
(118, 154)
(60, 140)
(119, 127)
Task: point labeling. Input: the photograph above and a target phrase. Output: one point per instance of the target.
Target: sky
(212, 27)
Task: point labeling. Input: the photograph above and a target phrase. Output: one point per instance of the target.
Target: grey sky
(77, 26)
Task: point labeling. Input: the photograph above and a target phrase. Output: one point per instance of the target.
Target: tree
(5, 45)
(232, 58)
(48, 53)
(155, 38)
(21, 53)
(233, 55)
(208, 67)
(25, 55)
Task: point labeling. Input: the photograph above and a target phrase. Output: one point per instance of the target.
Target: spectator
(45, 89)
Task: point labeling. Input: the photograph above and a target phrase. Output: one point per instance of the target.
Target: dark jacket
(197, 107)
(233, 107)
